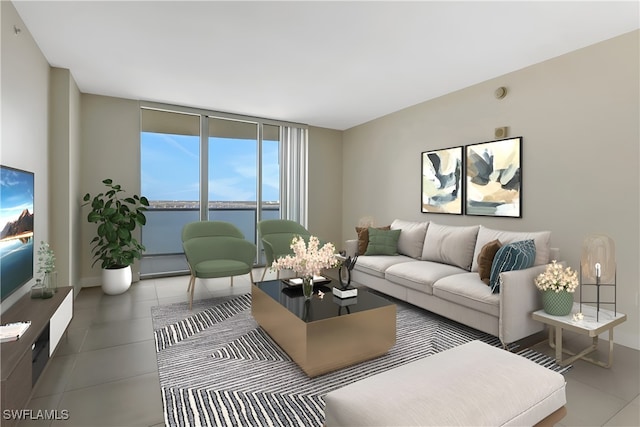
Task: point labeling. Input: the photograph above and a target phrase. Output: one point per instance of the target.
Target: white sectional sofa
(436, 268)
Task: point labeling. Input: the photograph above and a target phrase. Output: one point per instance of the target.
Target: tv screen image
(16, 229)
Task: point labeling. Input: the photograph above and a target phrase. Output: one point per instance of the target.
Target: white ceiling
(329, 64)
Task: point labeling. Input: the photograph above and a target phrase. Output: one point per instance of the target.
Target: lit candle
(598, 270)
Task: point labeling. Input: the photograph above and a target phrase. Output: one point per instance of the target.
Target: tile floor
(104, 372)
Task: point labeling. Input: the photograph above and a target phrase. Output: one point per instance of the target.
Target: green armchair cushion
(217, 249)
(277, 245)
(276, 236)
(221, 268)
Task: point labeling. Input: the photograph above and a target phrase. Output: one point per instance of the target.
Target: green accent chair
(276, 236)
(216, 249)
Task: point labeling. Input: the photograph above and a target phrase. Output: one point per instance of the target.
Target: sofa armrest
(351, 247)
(519, 297)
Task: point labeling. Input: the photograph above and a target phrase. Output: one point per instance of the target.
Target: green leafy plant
(117, 216)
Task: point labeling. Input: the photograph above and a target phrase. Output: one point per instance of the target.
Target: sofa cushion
(383, 242)
(485, 259)
(363, 237)
(514, 256)
(377, 265)
(420, 275)
(468, 290)
(449, 244)
(411, 238)
(540, 238)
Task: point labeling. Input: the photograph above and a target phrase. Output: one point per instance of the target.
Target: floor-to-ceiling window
(232, 173)
(170, 179)
(269, 207)
(205, 166)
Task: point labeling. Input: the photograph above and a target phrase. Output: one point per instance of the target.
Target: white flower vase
(116, 280)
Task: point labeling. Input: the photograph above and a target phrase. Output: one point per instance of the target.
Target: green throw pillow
(514, 256)
(383, 242)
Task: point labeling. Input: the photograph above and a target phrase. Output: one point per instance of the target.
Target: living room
(577, 113)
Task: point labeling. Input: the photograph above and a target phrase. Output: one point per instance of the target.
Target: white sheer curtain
(293, 174)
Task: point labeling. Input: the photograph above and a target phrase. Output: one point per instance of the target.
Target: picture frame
(441, 189)
(493, 178)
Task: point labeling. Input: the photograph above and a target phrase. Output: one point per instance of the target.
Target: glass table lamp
(598, 265)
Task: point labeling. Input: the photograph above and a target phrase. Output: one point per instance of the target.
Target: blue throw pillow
(514, 256)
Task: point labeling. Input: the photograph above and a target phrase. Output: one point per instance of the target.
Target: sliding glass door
(244, 174)
(170, 179)
(269, 207)
(231, 174)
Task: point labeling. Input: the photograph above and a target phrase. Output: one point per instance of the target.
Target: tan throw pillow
(363, 237)
(485, 259)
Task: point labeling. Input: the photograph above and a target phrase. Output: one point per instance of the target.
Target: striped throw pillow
(514, 256)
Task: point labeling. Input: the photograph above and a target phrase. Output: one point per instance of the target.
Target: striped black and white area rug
(218, 368)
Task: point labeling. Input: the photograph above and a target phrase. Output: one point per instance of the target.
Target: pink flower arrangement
(307, 261)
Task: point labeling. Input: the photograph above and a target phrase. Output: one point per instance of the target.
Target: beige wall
(110, 134)
(325, 184)
(25, 119)
(578, 114)
(64, 173)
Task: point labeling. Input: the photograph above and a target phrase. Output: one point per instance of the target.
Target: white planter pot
(116, 281)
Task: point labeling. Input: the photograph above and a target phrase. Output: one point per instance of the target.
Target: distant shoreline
(182, 204)
(18, 236)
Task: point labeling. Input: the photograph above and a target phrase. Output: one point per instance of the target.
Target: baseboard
(93, 281)
(90, 282)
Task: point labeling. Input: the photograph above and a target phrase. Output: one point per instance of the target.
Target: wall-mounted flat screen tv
(16, 229)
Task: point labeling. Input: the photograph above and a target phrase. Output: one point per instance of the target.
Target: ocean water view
(16, 259)
(161, 234)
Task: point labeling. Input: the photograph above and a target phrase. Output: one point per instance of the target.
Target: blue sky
(171, 169)
(16, 194)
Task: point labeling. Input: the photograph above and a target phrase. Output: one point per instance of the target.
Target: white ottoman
(474, 384)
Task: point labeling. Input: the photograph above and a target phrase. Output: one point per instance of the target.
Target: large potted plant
(115, 247)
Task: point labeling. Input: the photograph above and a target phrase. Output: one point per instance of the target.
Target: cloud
(227, 189)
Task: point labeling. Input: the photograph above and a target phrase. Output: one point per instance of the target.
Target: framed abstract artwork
(441, 187)
(494, 178)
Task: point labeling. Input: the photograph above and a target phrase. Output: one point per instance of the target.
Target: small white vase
(116, 280)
